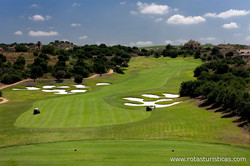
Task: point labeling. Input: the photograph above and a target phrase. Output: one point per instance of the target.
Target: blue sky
(125, 22)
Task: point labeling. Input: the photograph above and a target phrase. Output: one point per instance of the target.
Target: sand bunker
(170, 95)
(48, 86)
(80, 86)
(103, 83)
(150, 96)
(33, 88)
(63, 87)
(152, 103)
(78, 91)
(17, 89)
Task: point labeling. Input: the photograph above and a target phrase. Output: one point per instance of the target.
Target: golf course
(96, 128)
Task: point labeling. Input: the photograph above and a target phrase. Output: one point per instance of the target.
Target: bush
(78, 79)
(11, 78)
(118, 70)
(1, 93)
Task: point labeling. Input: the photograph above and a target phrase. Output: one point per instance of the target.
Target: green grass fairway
(122, 153)
(105, 132)
(105, 106)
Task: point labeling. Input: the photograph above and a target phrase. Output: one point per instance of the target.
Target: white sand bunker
(152, 103)
(48, 86)
(80, 86)
(32, 88)
(17, 89)
(170, 95)
(78, 91)
(63, 87)
(102, 83)
(150, 96)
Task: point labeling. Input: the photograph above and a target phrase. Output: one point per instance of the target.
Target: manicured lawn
(91, 109)
(108, 133)
(123, 153)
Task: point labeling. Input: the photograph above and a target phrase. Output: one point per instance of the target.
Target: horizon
(129, 23)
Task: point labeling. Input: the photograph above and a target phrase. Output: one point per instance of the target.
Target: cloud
(34, 6)
(247, 38)
(228, 14)
(158, 19)
(75, 25)
(123, 3)
(180, 19)
(18, 33)
(42, 33)
(237, 34)
(40, 18)
(141, 43)
(232, 25)
(133, 12)
(180, 41)
(208, 38)
(82, 37)
(75, 4)
(168, 42)
(152, 8)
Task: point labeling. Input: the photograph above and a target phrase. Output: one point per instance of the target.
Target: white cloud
(247, 38)
(75, 4)
(133, 12)
(180, 41)
(19, 33)
(180, 19)
(40, 18)
(207, 38)
(142, 43)
(123, 3)
(152, 8)
(82, 37)
(175, 9)
(42, 33)
(34, 6)
(232, 25)
(168, 42)
(237, 34)
(228, 14)
(75, 25)
(158, 19)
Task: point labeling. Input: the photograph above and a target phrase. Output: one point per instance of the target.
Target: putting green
(125, 152)
(104, 106)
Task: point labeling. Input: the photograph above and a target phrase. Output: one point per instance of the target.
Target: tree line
(223, 83)
(79, 62)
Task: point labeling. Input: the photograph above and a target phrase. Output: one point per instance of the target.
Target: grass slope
(91, 109)
(126, 152)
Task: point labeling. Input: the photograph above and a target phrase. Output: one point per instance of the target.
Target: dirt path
(6, 86)
(96, 75)
(4, 100)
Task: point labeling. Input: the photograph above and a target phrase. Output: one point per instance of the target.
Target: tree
(48, 49)
(20, 63)
(198, 70)
(21, 48)
(11, 78)
(36, 72)
(78, 79)
(60, 74)
(229, 54)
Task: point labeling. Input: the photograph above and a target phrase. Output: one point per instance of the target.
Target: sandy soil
(98, 75)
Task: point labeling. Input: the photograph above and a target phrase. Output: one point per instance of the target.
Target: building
(192, 45)
(244, 54)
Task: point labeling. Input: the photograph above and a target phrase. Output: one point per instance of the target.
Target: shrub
(78, 79)
(118, 70)
(11, 78)
(1, 93)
